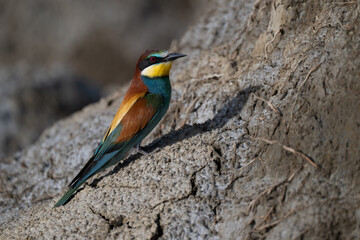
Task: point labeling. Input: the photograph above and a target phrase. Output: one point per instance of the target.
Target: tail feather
(67, 195)
(82, 172)
(90, 169)
(74, 187)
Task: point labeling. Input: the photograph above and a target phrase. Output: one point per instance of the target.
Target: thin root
(268, 43)
(302, 84)
(307, 76)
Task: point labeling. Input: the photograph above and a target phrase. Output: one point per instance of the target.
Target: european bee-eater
(142, 108)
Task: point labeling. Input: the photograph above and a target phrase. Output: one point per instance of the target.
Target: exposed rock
(269, 91)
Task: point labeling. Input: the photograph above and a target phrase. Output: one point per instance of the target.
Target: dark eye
(152, 59)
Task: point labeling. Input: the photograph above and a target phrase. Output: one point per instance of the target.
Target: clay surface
(261, 140)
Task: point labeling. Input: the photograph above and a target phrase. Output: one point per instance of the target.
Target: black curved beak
(173, 56)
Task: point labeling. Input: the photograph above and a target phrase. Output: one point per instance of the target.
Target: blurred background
(58, 56)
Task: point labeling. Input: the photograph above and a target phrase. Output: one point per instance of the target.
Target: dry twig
(234, 178)
(277, 221)
(289, 149)
(292, 72)
(271, 188)
(346, 3)
(264, 220)
(265, 192)
(191, 106)
(268, 103)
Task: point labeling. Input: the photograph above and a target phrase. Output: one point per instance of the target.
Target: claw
(139, 149)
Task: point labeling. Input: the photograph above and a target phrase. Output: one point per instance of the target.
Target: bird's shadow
(231, 109)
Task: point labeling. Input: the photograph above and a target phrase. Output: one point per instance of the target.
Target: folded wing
(133, 122)
(139, 118)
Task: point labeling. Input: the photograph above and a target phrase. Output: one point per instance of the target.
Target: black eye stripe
(147, 62)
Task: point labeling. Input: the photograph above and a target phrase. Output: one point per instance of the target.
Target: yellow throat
(157, 70)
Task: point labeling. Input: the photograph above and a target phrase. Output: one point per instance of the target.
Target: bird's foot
(139, 149)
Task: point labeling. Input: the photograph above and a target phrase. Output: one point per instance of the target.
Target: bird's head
(156, 63)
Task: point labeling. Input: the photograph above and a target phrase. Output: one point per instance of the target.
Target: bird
(144, 105)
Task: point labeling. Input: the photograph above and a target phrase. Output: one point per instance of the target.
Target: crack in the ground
(112, 223)
(193, 190)
(193, 185)
(214, 209)
(159, 231)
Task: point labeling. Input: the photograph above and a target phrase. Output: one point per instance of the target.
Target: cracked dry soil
(261, 140)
